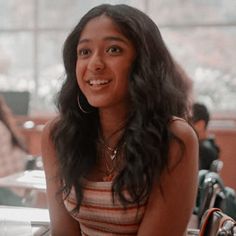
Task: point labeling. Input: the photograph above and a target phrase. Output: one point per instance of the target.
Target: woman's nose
(96, 63)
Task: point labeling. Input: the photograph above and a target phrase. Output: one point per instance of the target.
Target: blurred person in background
(208, 149)
(12, 152)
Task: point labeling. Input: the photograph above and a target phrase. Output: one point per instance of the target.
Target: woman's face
(104, 62)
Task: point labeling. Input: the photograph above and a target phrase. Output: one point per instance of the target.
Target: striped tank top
(99, 216)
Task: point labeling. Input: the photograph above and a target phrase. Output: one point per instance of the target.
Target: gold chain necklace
(112, 152)
(109, 171)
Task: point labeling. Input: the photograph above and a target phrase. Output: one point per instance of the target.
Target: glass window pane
(65, 14)
(16, 14)
(16, 61)
(208, 55)
(204, 44)
(50, 68)
(168, 12)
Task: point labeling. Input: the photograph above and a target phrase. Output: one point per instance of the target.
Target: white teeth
(98, 82)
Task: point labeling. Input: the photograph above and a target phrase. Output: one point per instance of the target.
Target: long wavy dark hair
(156, 95)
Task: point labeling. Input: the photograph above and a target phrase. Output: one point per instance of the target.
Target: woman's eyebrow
(83, 41)
(116, 38)
(107, 38)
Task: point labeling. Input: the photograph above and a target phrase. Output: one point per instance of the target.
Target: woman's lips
(97, 82)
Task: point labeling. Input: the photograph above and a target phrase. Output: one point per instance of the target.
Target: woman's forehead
(102, 27)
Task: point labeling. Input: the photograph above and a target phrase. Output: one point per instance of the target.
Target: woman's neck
(112, 125)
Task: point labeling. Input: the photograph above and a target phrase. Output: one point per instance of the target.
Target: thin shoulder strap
(175, 118)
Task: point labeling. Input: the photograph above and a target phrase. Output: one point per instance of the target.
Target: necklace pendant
(113, 155)
(108, 178)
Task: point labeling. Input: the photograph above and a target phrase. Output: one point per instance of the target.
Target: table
(30, 185)
(36, 217)
(30, 179)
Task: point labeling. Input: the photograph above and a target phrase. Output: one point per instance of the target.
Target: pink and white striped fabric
(98, 216)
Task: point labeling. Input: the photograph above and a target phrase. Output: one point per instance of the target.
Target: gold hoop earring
(86, 104)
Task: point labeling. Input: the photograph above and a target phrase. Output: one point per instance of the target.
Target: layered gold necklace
(112, 152)
(111, 159)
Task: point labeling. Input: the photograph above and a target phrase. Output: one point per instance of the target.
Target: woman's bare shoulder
(47, 129)
(182, 129)
(47, 146)
(184, 132)
(178, 185)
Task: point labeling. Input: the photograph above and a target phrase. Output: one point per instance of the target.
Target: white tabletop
(24, 221)
(30, 179)
(37, 216)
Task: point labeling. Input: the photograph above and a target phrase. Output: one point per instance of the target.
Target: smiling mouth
(98, 82)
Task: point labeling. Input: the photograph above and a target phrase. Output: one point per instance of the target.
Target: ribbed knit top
(99, 216)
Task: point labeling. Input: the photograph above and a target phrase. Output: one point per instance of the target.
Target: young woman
(119, 159)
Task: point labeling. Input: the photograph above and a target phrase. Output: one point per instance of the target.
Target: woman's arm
(168, 212)
(61, 221)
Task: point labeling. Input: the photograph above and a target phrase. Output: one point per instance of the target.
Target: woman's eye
(83, 52)
(114, 50)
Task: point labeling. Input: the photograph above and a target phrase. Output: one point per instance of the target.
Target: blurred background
(200, 34)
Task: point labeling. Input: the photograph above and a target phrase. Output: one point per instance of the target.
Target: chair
(18, 101)
(192, 232)
(216, 223)
(216, 166)
(211, 193)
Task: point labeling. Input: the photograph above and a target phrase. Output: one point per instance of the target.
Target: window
(200, 34)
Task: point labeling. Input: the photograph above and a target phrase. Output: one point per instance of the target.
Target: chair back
(213, 194)
(18, 101)
(216, 223)
(210, 192)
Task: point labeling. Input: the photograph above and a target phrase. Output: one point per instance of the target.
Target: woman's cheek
(79, 72)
